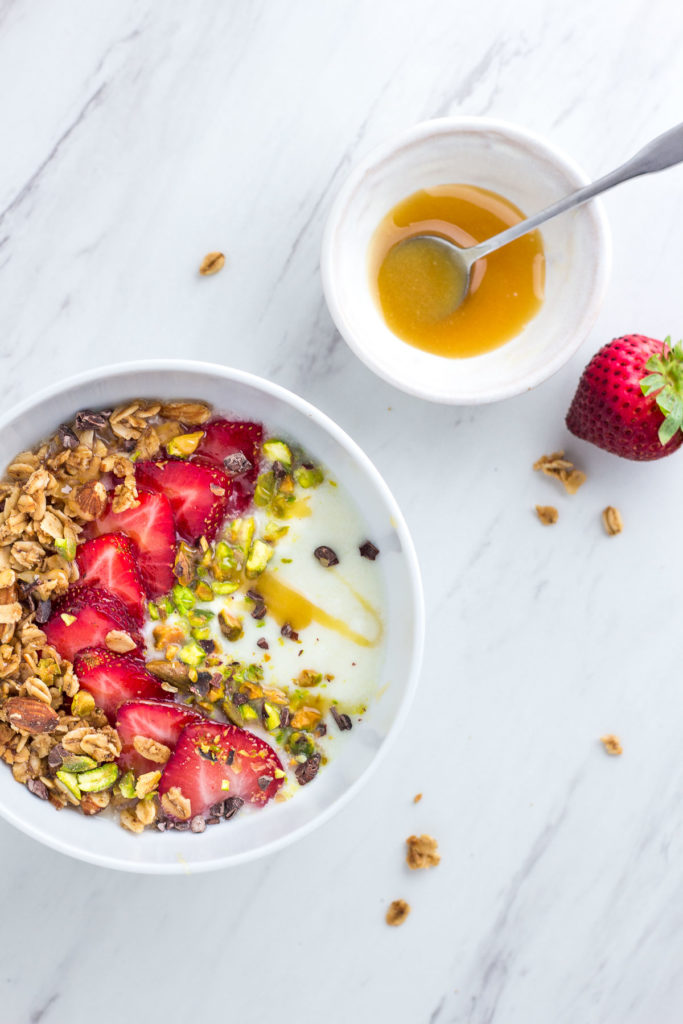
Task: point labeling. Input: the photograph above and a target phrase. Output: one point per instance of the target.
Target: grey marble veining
(135, 138)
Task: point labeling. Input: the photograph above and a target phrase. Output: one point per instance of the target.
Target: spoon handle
(664, 151)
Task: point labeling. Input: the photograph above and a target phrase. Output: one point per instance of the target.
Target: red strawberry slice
(151, 526)
(160, 720)
(630, 398)
(113, 678)
(84, 617)
(208, 753)
(198, 510)
(109, 561)
(223, 438)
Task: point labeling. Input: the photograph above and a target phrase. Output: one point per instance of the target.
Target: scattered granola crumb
(422, 852)
(612, 744)
(417, 798)
(611, 519)
(397, 912)
(562, 469)
(548, 514)
(212, 263)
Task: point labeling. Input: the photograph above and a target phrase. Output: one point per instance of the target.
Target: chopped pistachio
(301, 744)
(309, 678)
(226, 563)
(192, 654)
(169, 672)
(241, 533)
(193, 675)
(67, 619)
(184, 564)
(247, 712)
(277, 451)
(66, 548)
(258, 559)
(253, 673)
(201, 633)
(165, 606)
(203, 592)
(309, 476)
(223, 551)
(184, 444)
(199, 617)
(71, 782)
(266, 490)
(226, 587)
(273, 531)
(279, 774)
(78, 763)
(98, 779)
(153, 611)
(82, 704)
(183, 598)
(271, 717)
(225, 785)
(127, 785)
(230, 625)
(231, 712)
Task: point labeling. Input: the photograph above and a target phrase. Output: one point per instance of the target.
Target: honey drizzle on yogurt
(287, 605)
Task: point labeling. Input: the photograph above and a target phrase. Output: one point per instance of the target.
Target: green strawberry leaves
(666, 382)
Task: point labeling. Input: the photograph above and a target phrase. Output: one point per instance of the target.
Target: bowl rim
(448, 126)
(105, 860)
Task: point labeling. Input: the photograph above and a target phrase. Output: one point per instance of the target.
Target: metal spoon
(664, 151)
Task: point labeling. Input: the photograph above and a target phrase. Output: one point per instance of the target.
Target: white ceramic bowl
(101, 840)
(493, 155)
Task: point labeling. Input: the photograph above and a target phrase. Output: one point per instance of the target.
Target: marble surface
(138, 136)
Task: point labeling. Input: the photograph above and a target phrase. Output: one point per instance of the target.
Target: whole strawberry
(630, 398)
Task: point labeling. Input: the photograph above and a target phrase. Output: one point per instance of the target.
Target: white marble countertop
(135, 138)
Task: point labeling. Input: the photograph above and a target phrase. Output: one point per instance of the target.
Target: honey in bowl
(414, 283)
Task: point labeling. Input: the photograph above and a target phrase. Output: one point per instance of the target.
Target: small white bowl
(101, 840)
(505, 159)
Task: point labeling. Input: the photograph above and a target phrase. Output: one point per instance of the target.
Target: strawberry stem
(666, 382)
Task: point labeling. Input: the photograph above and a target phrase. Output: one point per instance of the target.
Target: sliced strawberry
(151, 526)
(223, 438)
(113, 678)
(110, 561)
(208, 754)
(84, 616)
(198, 510)
(160, 720)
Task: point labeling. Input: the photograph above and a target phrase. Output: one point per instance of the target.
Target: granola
(561, 469)
(611, 520)
(547, 514)
(422, 852)
(212, 263)
(397, 912)
(612, 744)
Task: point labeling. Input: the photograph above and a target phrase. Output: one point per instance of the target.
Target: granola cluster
(47, 496)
